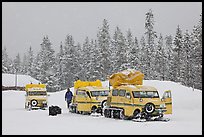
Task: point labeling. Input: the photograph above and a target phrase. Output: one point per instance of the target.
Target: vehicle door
(83, 100)
(114, 97)
(167, 99)
(125, 100)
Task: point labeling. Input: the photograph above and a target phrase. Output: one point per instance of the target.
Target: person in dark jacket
(68, 97)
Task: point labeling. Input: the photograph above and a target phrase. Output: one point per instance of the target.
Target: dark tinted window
(37, 93)
(81, 92)
(145, 94)
(115, 92)
(121, 92)
(99, 93)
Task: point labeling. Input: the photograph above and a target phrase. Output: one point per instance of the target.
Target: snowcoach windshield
(145, 94)
(99, 93)
(37, 93)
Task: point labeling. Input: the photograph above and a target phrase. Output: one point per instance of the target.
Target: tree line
(175, 58)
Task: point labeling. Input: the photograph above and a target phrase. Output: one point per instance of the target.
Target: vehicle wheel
(107, 113)
(116, 114)
(103, 104)
(136, 113)
(34, 103)
(93, 109)
(149, 108)
(122, 115)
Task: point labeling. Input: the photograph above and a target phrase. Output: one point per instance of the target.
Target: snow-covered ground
(186, 118)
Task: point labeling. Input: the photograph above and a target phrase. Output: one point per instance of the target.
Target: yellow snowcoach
(129, 99)
(36, 96)
(89, 97)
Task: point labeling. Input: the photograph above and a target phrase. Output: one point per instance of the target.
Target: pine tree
(7, 65)
(30, 57)
(150, 38)
(196, 39)
(45, 64)
(103, 38)
(79, 61)
(25, 64)
(129, 48)
(170, 72)
(187, 59)
(58, 67)
(69, 59)
(120, 54)
(178, 45)
(143, 58)
(87, 50)
(17, 64)
(160, 60)
(93, 70)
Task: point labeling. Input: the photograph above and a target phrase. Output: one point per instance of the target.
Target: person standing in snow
(68, 97)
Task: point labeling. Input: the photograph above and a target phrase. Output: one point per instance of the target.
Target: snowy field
(185, 120)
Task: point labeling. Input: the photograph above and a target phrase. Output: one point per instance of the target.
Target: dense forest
(175, 58)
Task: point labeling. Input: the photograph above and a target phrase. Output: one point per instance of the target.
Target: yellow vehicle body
(89, 96)
(167, 99)
(129, 98)
(132, 99)
(36, 96)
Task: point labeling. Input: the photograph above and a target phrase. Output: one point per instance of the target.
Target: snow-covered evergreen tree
(79, 61)
(129, 47)
(103, 38)
(87, 53)
(30, 57)
(45, 64)
(150, 41)
(59, 76)
(69, 61)
(187, 59)
(170, 70)
(7, 65)
(94, 63)
(196, 71)
(17, 64)
(25, 64)
(160, 59)
(178, 45)
(120, 54)
(143, 58)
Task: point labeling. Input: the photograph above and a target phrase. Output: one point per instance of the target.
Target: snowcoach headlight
(162, 106)
(44, 102)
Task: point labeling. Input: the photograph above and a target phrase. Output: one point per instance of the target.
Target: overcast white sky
(25, 23)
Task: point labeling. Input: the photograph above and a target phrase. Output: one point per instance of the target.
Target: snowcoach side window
(37, 93)
(115, 92)
(94, 93)
(136, 94)
(104, 93)
(122, 93)
(145, 94)
(80, 93)
(99, 93)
